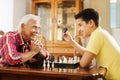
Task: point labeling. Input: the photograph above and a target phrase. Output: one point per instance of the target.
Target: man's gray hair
(25, 19)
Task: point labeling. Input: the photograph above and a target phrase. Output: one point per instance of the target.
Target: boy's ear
(91, 22)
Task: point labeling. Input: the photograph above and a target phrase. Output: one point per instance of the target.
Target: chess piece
(60, 60)
(65, 30)
(44, 63)
(78, 59)
(48, 64)
(75, 59)
(53, 64)
(64, 59)
(69, 60)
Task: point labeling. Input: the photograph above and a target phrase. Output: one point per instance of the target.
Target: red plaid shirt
(11, 48)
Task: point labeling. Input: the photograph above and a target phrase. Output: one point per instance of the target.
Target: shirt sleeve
(11, 55)
(95, 43)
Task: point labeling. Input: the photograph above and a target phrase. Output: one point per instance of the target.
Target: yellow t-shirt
(107, 52)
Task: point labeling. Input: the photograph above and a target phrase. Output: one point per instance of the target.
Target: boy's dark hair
(87, 15)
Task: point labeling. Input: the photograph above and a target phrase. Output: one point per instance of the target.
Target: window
(114, 14)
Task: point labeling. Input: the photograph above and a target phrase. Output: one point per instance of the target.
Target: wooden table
(23, 73)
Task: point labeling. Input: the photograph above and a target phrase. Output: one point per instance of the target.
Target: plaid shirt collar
(20, 39)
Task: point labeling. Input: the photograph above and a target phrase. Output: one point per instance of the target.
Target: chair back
(1, 33)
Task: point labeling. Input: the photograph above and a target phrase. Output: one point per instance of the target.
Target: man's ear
(22, 25)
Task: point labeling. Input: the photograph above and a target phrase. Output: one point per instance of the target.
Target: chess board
(63, 62)
(66, 65)
(56, 65)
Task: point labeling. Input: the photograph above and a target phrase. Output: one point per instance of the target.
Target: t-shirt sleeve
(95, 42)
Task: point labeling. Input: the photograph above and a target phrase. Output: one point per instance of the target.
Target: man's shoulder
(12, 33)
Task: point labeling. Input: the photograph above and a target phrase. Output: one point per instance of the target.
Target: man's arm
(41, 41)
(27, 56)
(11, 56)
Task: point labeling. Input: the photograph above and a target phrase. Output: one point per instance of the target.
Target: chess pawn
(53, 64)
(74, 59)
(64, 59)
(44, 63)
(60, 60)
(48, 64)
(69, 60)
(78, 59)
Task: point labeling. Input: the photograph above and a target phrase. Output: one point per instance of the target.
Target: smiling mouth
(35, 34)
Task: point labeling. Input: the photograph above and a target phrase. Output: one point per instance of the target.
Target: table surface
(61, 72)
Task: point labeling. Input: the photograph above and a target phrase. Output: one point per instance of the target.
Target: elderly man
(20, 46)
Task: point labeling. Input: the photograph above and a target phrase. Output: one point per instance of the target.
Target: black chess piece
(51, 58)
(65, 29)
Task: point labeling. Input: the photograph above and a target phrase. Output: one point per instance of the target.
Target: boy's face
(84, 28)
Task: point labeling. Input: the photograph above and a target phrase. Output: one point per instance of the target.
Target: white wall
(116, 34)
(19, 11)
(28, 6)
(102, 6)
(11, 13)
(6, 15)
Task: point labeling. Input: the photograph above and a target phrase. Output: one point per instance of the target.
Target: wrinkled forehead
(38, 24)
(35, 22)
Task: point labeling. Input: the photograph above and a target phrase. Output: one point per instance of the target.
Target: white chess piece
(53, 64)
(78, 59)
(60, 60)
(64, 59)
(48, 64)
(69, 60)
(44, 63)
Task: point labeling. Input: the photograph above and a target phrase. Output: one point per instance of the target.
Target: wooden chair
(2, 33)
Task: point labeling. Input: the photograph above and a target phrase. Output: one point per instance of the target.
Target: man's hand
(35, 46)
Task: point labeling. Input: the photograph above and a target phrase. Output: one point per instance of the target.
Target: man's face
(84, 28)
(30, 30)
